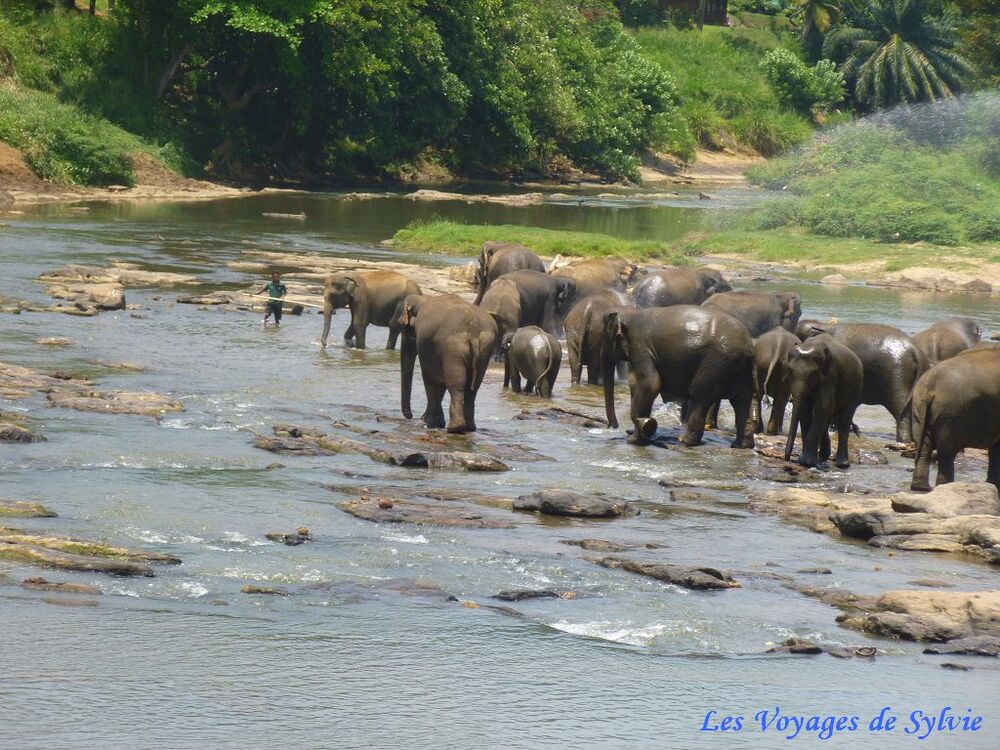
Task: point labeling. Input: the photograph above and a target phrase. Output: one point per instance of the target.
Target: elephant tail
(770, 371)
(475, 345)
(924, 425)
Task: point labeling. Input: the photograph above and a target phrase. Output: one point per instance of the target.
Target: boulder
(937, 616)
(267, 590)
(22, 509)
(680, 575)
(977, 645)
(566, 503)
(109, 299)
(12, 433)
(292, 539)
(518, 595)
(421, 513)
(40, 584)
(953, 499)
(115, 402)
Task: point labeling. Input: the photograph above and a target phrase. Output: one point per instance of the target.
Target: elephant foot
(843, 464)
(646, 428)
(690, 440)
(807, 461)
(407, 414)
(771, 431)
(747, 442)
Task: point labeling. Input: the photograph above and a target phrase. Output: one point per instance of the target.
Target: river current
(184, 660)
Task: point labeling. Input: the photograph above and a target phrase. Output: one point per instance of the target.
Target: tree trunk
(93, 7)
(701, 13)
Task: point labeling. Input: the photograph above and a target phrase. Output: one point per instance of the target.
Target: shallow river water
(184, 660)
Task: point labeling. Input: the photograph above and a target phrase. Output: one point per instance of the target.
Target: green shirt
(275, 290)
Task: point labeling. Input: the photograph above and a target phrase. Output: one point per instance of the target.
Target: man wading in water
(274, 289)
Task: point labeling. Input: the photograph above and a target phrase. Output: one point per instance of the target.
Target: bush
(798, 86)
(770, 133)
(61, 143)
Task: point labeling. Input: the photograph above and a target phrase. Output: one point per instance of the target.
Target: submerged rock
(293, 539)
(698, 578)
(13, 433)
(40, 584)
(979, 645)
(566, 503)
(268, 590)
(598, 545)
(55, 341)
(566, 416)
(69, 553)
(518, 595)
(22, 509)
(428, 514)
(115, 402)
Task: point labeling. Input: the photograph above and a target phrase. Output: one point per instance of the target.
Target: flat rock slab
(953, 499)
(86, 547)
(40, 584)
(937, 616)
(55, 341)
(697, 578)
(266, 590)
(573, 504)
(13, 433)
(520, 595)
(116, 402)
(22, 509)
(49, 558)
(598, 545)
(124, 274)
(982, 645)
(377, 510)
(566, 416)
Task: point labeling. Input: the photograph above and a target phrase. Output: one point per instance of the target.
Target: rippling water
(359, 656)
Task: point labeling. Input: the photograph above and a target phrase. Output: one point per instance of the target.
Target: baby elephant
(825, 382)
(533, 353)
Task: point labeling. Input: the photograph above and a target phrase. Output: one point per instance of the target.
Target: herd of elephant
(685, 335)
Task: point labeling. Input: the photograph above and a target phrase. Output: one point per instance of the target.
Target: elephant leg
(744, 425)
(843, 459)
(515, 378)
(349, 334)
(575, 361)
(469, 410)
(360, 331)
(921, 481)
(808, 456)
(544, 386)
(593, 369)
(712, 417)
(757, 415)
(529, 385)
(946, 467)
(685, 410)
(644, 387)
(434, 416)
(825, 449)
(390, 344)
(697, 412)
(901, 409)
(776, 423)
(457, 409)
(993, 472)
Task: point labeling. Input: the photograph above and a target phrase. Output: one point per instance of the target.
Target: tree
(981, 37)
(817, 17)
(899, 52)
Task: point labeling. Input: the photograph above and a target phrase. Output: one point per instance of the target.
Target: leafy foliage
(802, 87)
(899, 53)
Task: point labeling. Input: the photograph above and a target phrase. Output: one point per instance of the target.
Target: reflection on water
(365, 653)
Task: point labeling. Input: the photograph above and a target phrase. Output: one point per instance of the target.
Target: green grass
(895, 181)
(467, 239)
(797, 246)
(726, 100)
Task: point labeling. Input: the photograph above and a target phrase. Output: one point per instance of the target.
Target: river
(184, 660)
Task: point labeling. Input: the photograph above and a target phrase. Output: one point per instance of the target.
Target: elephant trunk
(792, 429)
(408, 356)
(327, 313)
(608, 367)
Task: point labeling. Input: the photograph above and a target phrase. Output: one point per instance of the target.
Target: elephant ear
(350, 285)
(505, 341)
(409, 315)
(792, 301)
(566, 289)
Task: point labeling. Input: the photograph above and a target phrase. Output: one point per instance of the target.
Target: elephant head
(338, 292)
(808, 328)
(712, 282)
(615, 349)
(565, 293)
(483, 271)
(808, 366)
(791, 309)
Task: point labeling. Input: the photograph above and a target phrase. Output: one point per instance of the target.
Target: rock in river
(565, 503)
(698, 578)
(40, 584)
(931, 615)
(423, 513)
(22, 509)
(69, 553)
(13, 433)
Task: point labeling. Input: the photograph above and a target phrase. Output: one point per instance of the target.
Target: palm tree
(817, 16)
(901, 53)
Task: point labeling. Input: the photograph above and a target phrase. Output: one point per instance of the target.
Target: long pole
(286, 299)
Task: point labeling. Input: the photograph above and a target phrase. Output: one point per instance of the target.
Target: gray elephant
(771, 359)
(536, 355)
(680, 352)
(498, 258)
(454, 341)
(373, 298)
(597, 274)
(528, 298)
(678, 286)
(956, 405)
(584, 326)
(892, 364)
(826, 380)
(947, 338)
(760, 311)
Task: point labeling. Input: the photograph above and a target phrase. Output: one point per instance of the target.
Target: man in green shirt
(274, 289)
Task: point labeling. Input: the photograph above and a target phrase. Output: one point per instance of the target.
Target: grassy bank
(922, 173)
(726, 100)
(796, 246)
(467, 239)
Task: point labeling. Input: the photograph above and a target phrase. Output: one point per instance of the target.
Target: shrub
(799, 86)
(770, 133)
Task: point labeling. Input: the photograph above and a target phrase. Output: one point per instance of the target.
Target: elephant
(770, 353)
(597, 274)
(531, 352)
(373, 298)
(892, 364)
(678, 286)
(760, 311)
(498, 258)
(826, 380)
(454, 341)
(528, 298)
(679, 352)
(947, 338)
(956, 405)
(584, 333)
